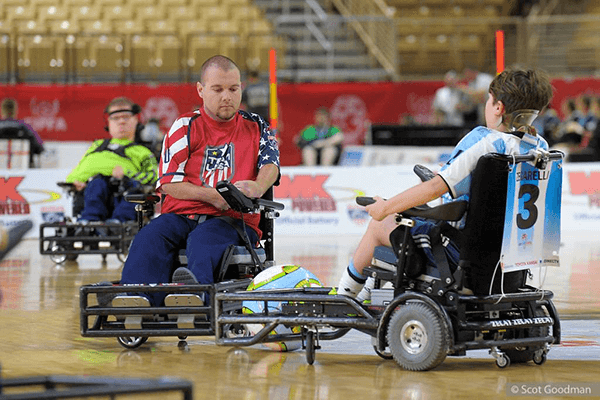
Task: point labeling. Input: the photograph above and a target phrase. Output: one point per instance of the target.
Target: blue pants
(421, 235)
(101, 204)
(155, 249)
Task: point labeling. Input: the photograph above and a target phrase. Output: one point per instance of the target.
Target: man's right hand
(218, 201)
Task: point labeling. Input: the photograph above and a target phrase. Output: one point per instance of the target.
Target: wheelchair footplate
(307, 314)
(67, 240)
(131, 319)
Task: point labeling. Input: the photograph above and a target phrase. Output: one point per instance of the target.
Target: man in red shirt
(217, 142)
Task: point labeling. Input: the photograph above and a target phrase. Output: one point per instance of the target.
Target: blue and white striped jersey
(459, 168)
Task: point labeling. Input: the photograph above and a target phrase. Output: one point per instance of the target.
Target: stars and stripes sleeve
(268, 150)
(174, 154)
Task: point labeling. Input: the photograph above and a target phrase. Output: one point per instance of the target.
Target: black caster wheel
(386, 355)
(310, 347)
(539, 357)
(58, 258)
(503, 361)
(132, 342)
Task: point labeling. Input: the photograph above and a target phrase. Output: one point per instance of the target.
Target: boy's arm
(415, 196)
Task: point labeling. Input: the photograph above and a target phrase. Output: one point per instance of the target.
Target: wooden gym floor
(39, 335)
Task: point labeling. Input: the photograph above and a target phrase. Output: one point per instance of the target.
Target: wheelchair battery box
(381, 297)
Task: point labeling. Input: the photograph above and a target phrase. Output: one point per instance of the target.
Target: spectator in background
(547, 124)
(476, 91)
(589, 118)
(571, 112)
(592, 128)
(321, 143)
(407, 120)
(570, 140)
(255, 96)
(11, 128)
(448, 102)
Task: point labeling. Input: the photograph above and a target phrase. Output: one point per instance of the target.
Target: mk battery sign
(307, 192)
(11, 201)
(32, 194)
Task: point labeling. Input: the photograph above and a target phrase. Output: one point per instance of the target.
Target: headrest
(520, 118)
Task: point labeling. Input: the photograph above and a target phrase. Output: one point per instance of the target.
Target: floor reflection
(39, 327)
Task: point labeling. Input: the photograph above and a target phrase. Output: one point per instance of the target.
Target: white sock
(365, 293)
(348, 285)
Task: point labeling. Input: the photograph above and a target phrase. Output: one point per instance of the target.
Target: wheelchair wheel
(417, 337)
(58, 258)
(519, 355)
(132, 342)
(310, 347)
(383, 354)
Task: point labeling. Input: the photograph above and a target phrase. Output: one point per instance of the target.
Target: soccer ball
(278, 277)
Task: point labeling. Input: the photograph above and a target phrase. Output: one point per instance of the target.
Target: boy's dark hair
(520, 89)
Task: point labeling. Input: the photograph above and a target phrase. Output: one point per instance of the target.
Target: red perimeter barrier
(74, 112)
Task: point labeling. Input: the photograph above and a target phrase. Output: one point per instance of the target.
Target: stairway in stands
(321, 46)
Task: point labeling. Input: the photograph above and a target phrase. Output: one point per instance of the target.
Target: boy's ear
(500, 109)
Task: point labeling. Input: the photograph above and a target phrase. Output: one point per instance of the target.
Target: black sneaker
(185, 276)
(105, 299)
(82, 229)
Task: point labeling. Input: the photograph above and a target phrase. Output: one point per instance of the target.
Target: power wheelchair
(65, 239)
(185, 312)
(428, 314)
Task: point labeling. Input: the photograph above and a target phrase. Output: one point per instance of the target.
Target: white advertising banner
(357, 156)
(318, 200)
(321, 201)
(32, 194)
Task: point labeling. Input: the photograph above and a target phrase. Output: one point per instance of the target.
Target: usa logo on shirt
(218, 164)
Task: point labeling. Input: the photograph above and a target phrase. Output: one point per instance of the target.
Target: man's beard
(226, 115)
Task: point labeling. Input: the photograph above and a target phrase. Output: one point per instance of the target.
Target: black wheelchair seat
(385, 258)
(239, 255)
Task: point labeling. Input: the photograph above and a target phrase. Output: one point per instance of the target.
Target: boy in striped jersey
(217, 142)
(511, 92)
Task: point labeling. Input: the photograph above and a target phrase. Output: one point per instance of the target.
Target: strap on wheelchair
(439, 254)
(200, 218)
(244, 236)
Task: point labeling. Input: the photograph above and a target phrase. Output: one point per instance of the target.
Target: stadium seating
(427, 30)
(162, 30)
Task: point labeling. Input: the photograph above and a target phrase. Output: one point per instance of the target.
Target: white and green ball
(273, 278)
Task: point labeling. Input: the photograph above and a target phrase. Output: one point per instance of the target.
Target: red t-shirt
(213, 151)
